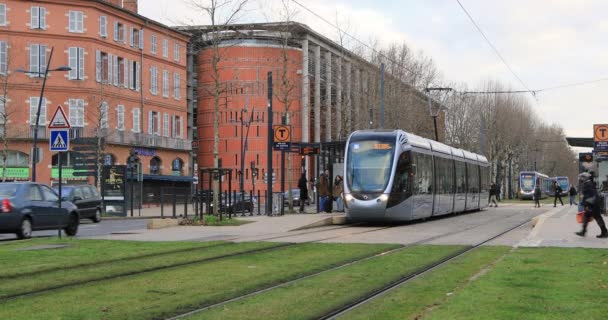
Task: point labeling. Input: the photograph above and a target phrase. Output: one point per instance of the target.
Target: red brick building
(127, 84)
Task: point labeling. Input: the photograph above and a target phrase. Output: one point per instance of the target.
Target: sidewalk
(556, 228)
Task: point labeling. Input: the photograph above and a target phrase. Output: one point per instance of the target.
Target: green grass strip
(80, 251)
(53, 279)
(423, 294)
(536, 283)
(172, 291)
(316, 296)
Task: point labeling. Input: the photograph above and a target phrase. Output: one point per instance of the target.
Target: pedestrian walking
(337, 193)
(323, 189)
(558, 193)
(303, 186)
(537, 194)
(493, 191)
(497, 193)
(592, 207)
(572, 192)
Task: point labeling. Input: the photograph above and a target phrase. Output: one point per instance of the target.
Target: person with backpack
(572, 192)
(303, 186)
(558, 194)
(592, 206)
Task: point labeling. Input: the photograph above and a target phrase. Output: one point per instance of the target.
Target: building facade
(322, 90)
(127, 85)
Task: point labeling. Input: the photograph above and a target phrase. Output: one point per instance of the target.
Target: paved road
(89, 229)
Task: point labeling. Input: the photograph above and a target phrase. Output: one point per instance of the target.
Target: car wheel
(72, 227)
(97, 217)
(25, 230)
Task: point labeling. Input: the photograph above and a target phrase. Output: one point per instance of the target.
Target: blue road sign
(59, 140)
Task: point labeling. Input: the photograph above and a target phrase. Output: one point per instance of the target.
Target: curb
(327, 221)
(537, 223)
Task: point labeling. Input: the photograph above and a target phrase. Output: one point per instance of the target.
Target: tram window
(461, 179)
(449, 176)
(424, 174)
(401, 183)
(473, 177)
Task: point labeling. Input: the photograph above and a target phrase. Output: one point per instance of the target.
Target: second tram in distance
(398, 176)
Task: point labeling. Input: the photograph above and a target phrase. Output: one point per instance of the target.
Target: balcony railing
(112, 136)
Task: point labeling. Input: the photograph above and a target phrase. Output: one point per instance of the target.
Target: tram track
(350, 263)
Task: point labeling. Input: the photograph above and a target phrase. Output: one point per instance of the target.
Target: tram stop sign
(282, 137)
(600, 137)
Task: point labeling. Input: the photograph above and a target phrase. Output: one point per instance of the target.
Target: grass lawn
(59, 277)
(164, 293)
(316, 296)
(421, 295)
(79, 252)
(536, 283)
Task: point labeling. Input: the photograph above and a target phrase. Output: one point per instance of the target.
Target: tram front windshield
(563, 182)
(527, 182)
(369, 164)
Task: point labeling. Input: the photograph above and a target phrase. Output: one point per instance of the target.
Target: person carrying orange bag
(591, 205)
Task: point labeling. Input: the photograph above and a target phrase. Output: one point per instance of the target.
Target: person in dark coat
(572, 193)
(303, 186)
(558, 193)
(493, 191)
(591, 204)
(537, 195)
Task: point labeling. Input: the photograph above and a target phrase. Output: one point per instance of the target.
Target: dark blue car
(28, 206)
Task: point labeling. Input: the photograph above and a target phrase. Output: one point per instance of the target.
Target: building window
(37, 60)
(166, 124)
(153, 80)
(108, 159)
(154, 123)
(38, 18)
(120, 72)
(3, 57)
(176, 49)
(166, 83)
(76, 23)
(177, 165)
(134, 72)
(2, 14)
(165, 48)
(176, 86)
(136, 118)
(76, 112)
(103, 26)
(155, 164)
(34, 109)
(176, 131)
(119, 32)
(103, 115)
(153, 44)
(76, 60)
(120, 117)
(134, 37)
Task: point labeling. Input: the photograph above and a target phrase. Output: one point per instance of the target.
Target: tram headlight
(384, 197)
(348, 197)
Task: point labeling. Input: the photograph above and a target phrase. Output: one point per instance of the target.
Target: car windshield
(64, 190)
(8, 190)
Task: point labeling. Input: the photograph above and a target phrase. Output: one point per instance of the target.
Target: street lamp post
(46, 73)
(434, 114)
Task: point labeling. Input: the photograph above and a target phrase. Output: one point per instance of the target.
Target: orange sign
(600, 132)
(282, 133)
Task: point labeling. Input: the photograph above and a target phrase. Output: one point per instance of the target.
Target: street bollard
(259, 200)
(186, 206)
(174, 204)
(162, 204)
(251, 203)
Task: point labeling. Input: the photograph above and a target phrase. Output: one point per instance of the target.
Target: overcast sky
(547, 43)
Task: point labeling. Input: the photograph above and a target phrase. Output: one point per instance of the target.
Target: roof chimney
(130, 5)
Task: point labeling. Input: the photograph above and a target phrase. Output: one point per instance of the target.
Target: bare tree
(221, 13)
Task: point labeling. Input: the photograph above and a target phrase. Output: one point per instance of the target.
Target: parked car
(295, 193)
(86, 198)
(238, 204)
(28, 206)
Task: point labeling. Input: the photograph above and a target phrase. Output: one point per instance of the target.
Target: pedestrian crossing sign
(59, 140)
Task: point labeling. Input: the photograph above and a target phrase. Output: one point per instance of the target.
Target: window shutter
(80, 103)
(33, 109)
(72, 112)
(72, 62)
(110, 68)
(72, 21)
(137, 72)
(141, 39)
(34, 58)
(3, 57)
(174, 126)
(34, 18)
(42, 52)
(42, 18)
(126, 74)
(131, 37)
(115, 30)
(124, 34)
(116, 66)
(98, 66)
(150, 122)
(158, 121)
(2, 14)
(81, 63)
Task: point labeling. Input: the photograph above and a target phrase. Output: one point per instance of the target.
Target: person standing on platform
(537, 195)
(572, 193)
(493, 191)
(303, 186)
(591, 203)
(558, 193)
(337, 193)
(323, 189)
